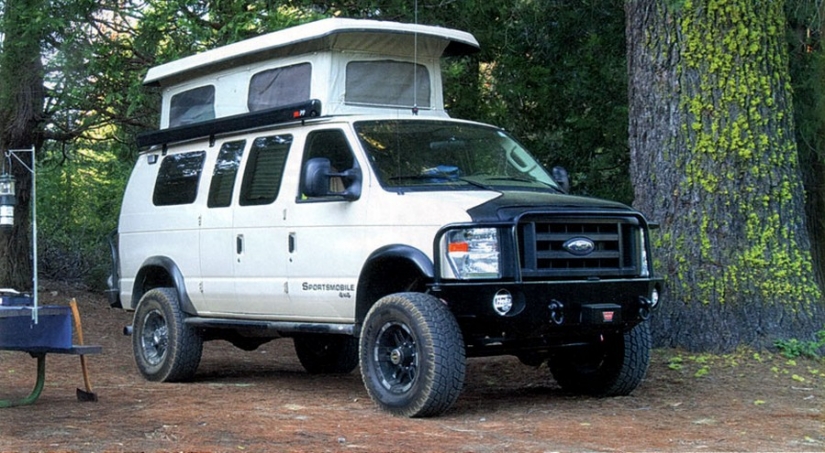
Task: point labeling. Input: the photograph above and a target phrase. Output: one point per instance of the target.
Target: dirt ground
(264, 401)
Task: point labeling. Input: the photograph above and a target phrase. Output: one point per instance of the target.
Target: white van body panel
(334, 241)
(245, 268)
(147, 230)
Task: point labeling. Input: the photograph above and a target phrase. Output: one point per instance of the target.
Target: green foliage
(697, 366)
(701, 363)
(97, 104)
(556, 77)
(807, 68)
(79, 198)
(794, 348)
(676, 363)
(552, 73)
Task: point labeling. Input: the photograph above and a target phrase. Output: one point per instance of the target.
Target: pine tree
(714, 160)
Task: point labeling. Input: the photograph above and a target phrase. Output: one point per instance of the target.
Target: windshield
(438, 155)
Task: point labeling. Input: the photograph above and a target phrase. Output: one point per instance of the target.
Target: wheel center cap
(396, 356)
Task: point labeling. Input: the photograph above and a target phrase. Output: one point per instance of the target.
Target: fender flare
(392, 252)
(412, 254)
(172, 269)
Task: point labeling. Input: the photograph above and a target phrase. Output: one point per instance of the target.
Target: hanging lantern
(7, 201)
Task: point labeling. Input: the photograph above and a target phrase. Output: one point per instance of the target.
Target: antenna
(415, 63)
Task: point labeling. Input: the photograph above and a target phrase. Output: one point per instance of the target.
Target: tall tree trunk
(22, 97)
(713, 159)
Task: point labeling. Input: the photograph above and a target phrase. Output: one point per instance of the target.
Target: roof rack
(279, 115)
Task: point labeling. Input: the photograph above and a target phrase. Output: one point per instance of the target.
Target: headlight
(470, 253)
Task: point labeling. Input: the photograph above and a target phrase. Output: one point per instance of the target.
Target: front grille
(616, 251)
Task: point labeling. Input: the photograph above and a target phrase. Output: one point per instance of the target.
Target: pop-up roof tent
(351, 66)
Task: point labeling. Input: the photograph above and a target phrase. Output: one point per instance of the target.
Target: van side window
(223, 177)
(280, 86)
(178, 177)
(264, 170)
(387, 83)
(333, 145)
(192, 106)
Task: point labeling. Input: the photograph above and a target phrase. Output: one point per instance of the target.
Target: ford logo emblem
(579, 246)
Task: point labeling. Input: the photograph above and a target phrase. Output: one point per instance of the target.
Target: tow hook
(645, 305)
(556, 312)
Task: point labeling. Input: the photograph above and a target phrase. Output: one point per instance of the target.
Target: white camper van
(309, 184)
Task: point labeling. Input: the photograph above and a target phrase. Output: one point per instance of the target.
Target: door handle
(239, 244)
(291, 242)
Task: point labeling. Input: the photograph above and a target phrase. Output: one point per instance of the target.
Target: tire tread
(185, 346)
(440, 331)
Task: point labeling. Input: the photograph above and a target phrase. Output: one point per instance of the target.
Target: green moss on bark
(741, 169)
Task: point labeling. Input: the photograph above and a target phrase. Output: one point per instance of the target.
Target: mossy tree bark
(713, 159)
(22, 98)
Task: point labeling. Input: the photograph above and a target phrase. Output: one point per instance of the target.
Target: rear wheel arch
(391, 269)
(161, 272)
(165, 348)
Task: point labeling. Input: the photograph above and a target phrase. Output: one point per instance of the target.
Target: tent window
(387, 83)
(192, 106)
(279, 87)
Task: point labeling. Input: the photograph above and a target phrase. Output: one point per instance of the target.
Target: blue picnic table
(40, 355)
(39, 331)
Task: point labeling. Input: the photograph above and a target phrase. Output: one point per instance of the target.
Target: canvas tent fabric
(328, 34)
(351, 66)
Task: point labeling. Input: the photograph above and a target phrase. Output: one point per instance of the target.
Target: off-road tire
(614, 366)
(327, 353)
(412, 355)
(165, 348)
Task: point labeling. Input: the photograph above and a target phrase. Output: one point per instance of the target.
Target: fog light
(654, 298)
(503, 302)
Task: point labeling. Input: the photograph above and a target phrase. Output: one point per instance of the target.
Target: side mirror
(562, 178)
(352, 181)
(318, 173)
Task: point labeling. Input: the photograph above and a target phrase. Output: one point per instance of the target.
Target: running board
(284, 327)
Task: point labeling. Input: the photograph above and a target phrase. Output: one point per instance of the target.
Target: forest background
(559, 75)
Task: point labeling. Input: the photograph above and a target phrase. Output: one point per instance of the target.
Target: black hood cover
(511, 205)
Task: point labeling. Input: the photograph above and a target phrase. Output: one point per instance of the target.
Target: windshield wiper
(438, 178)
(478, 184)
(523, 179)
(415, 177)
